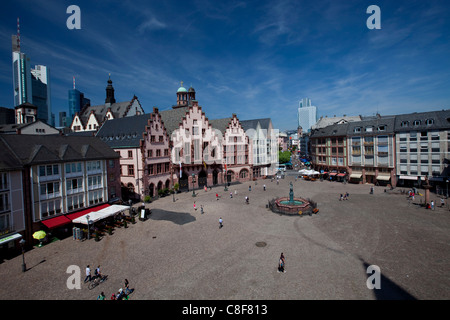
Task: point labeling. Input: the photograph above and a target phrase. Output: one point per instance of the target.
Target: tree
(284, 157)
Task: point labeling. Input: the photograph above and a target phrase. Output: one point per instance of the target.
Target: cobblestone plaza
(180, 253)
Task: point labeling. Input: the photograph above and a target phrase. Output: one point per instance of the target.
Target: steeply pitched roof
(39, 149)
(220, 124)
(124, 132)
(253, 123)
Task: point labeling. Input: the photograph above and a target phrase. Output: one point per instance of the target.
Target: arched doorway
(167, 184)
(230, 176)
(215, 177)
(184, 182)
(202, 179)
(243, 174)
(160, 185)
(151, 190)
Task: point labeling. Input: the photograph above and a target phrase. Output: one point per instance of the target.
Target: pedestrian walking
(432, 204)
(101, 296)
(201, 209)
(231, 195)
(220, 222)
(264, 186)
(249, 188)
(341, 197)
(97, 272)
(346, 196)
(217, 196)
(280, 265)
(442, 202)
(127, 287)
(88, 274)
(206, 189)
(195, 208)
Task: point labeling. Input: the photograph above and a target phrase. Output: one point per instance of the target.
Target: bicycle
(96, 281)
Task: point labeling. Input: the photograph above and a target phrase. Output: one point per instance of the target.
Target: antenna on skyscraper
(74, 82)
(18, 34)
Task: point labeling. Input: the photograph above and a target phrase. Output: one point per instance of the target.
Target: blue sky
(253, 58)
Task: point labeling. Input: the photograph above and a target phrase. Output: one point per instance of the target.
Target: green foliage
(284, 157)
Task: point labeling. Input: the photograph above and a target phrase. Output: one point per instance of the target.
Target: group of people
(97, 273)
(344, 196)
(122, 294)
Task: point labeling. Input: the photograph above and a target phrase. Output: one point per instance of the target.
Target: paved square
(180, 253)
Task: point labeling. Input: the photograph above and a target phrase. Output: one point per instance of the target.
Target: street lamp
(24, 266)
(447, 186)
(87, 217)
(193, 181)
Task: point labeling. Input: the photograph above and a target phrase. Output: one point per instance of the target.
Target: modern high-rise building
(30, 85)
(76, 103)
(41, 93)
(21, 74)
(307, 115)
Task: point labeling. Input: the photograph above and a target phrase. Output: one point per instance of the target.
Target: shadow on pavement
(179, 218)
(389, 290)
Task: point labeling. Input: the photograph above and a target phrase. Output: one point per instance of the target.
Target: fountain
(291, 204)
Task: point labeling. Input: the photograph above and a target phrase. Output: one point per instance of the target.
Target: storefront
(9, 244)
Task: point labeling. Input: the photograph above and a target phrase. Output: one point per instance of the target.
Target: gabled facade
(155, 150)
(263, 144)
(91, 118)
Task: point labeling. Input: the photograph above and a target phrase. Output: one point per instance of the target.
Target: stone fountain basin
(299, 203)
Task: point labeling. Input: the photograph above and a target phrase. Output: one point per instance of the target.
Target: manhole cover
(261, 244)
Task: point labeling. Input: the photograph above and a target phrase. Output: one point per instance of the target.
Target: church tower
(110, 92)
(184, 97)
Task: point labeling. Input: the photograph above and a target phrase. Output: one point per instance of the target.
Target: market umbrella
(39, 235)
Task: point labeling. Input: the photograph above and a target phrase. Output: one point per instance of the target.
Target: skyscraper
(76, 102)
(21, 74)
(30, 85)
(307, 114)
(41, 93)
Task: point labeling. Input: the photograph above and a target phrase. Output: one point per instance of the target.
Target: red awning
(341, 175)
(56, 222)
(75, 215)
(332, 174)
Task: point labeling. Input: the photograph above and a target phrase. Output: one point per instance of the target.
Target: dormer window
(357, 130)
(417, 122)
(404, 124)
(382, 128)
(369, 129)
(429, 122)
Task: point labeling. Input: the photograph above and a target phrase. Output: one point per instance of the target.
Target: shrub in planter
(147, 199)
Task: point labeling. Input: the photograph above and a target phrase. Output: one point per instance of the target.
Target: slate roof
(324, 122)
(220, 124)
(124, 132)
(337, 130)
(253, 123)
(441, 121)
(387, 121)
(42, 149)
